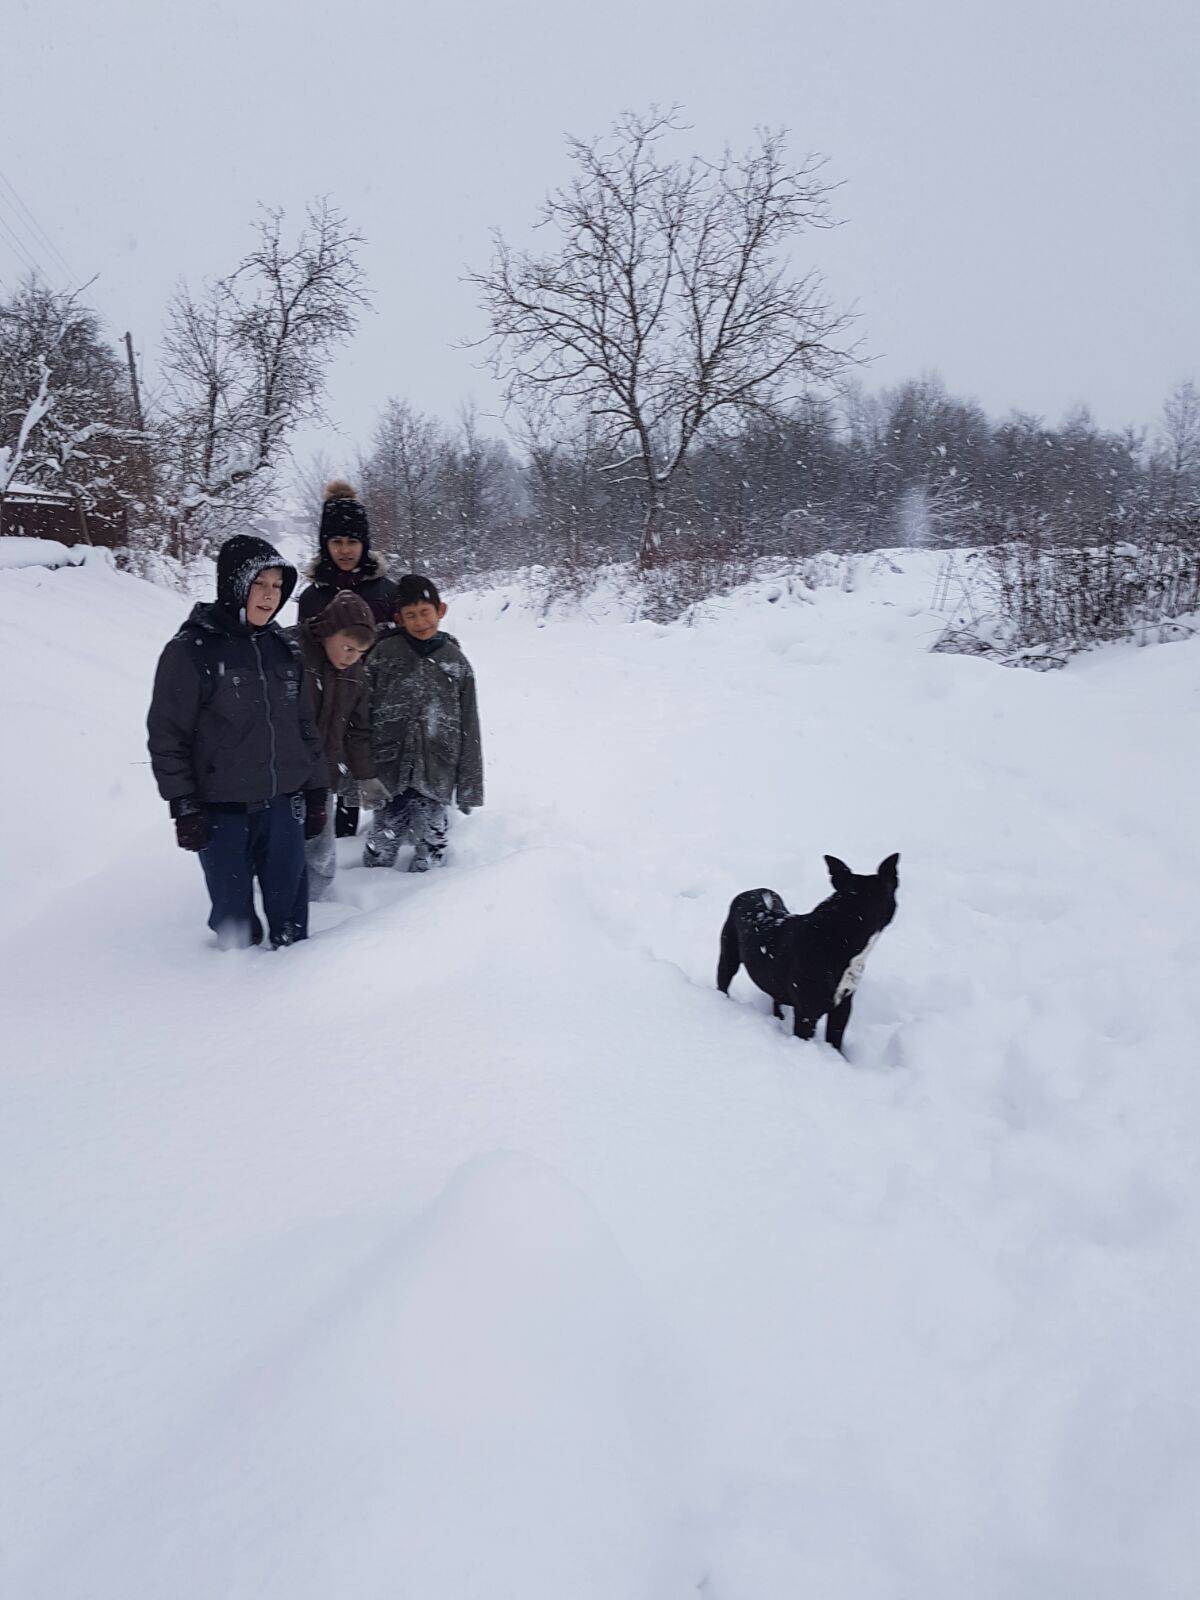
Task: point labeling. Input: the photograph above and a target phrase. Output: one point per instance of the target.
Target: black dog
(811, 962)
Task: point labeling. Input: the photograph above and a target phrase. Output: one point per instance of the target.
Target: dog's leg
(731, 955)
(835, 1022)
(777, 1010)
(803, 1027)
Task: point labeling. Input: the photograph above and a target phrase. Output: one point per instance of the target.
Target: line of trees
(906, 465)
(675, 389)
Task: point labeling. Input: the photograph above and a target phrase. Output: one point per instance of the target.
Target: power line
(36, 231)
(30, 247)
(17, 248)
(27, 250)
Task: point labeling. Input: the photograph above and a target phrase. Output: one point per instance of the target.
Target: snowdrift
(479, 1246)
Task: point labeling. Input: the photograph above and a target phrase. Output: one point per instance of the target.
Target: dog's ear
(888, 870)
(839, 873)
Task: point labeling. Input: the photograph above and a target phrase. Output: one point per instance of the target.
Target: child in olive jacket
(424, 730)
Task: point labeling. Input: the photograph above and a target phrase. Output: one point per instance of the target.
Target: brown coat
(339, 703)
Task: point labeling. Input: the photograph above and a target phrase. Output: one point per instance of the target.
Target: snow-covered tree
(65, 415)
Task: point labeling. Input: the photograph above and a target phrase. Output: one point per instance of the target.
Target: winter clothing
(316, 814)
(373, 795)
(423, 647)
(227, 722)
(320, 855)
(236, 754)
(337, 699)
(264, 842)
(346, 824)
(369, 581)
(192, 830)
(425, 719)
(409, 816)
(347, 611)
(343, 517)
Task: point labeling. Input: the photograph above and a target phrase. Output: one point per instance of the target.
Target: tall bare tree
(665, 308)
(245, 364)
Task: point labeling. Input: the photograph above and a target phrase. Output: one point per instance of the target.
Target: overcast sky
(1021, 180)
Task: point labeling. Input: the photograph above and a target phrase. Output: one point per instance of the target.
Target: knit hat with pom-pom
(343, 516)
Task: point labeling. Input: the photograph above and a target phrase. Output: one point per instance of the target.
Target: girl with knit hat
(345, 559)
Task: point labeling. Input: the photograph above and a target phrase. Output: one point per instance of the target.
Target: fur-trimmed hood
(369, 581)
(371, 566)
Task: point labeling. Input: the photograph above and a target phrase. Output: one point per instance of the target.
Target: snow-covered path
(480, 1247)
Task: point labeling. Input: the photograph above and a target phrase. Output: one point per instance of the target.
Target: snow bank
(78, 646)
(480, 1246)
(18, 551)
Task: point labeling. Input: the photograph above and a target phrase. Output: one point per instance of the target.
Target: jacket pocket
(288, 676)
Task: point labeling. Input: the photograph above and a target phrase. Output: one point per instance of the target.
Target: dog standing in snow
(813, 961)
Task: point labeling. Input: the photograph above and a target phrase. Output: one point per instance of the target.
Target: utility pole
(133, 385)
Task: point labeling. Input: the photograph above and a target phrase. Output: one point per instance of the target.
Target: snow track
(480, 1246)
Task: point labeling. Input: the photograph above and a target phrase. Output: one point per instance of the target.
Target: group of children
(261, 738)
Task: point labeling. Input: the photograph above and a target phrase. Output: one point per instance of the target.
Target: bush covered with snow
(1034, 600)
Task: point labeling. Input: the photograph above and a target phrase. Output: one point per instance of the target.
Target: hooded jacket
(338, 699)
(227, 722)
(425, 720)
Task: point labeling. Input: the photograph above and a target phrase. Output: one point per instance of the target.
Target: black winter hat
(412, 589)
(343, 516)
(239, 562)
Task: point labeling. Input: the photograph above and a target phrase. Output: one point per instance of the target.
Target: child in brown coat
(332, 646)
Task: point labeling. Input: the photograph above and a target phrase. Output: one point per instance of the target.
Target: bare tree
(245, 364)
(401, 478)
(665, 308)
(1180, 433)
(312, 476)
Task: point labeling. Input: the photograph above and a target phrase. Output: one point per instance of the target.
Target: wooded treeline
(858, 470)
(851, 470)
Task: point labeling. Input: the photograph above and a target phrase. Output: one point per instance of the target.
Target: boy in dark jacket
(332, 646)
(345, 559)
(234, 752)
(424, 730)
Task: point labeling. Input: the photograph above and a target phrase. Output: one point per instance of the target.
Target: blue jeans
(264, 842)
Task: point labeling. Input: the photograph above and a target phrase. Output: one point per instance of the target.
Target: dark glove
(192, 831)
(316, 813)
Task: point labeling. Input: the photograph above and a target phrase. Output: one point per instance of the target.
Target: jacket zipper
(270, 721)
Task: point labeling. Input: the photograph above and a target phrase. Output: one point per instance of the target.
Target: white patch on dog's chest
(853, 973)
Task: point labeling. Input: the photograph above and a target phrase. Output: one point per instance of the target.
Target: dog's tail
(731, 955)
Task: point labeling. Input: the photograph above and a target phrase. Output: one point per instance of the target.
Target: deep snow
(479, 1247)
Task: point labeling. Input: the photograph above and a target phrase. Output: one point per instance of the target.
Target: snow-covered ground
(480, 1248)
